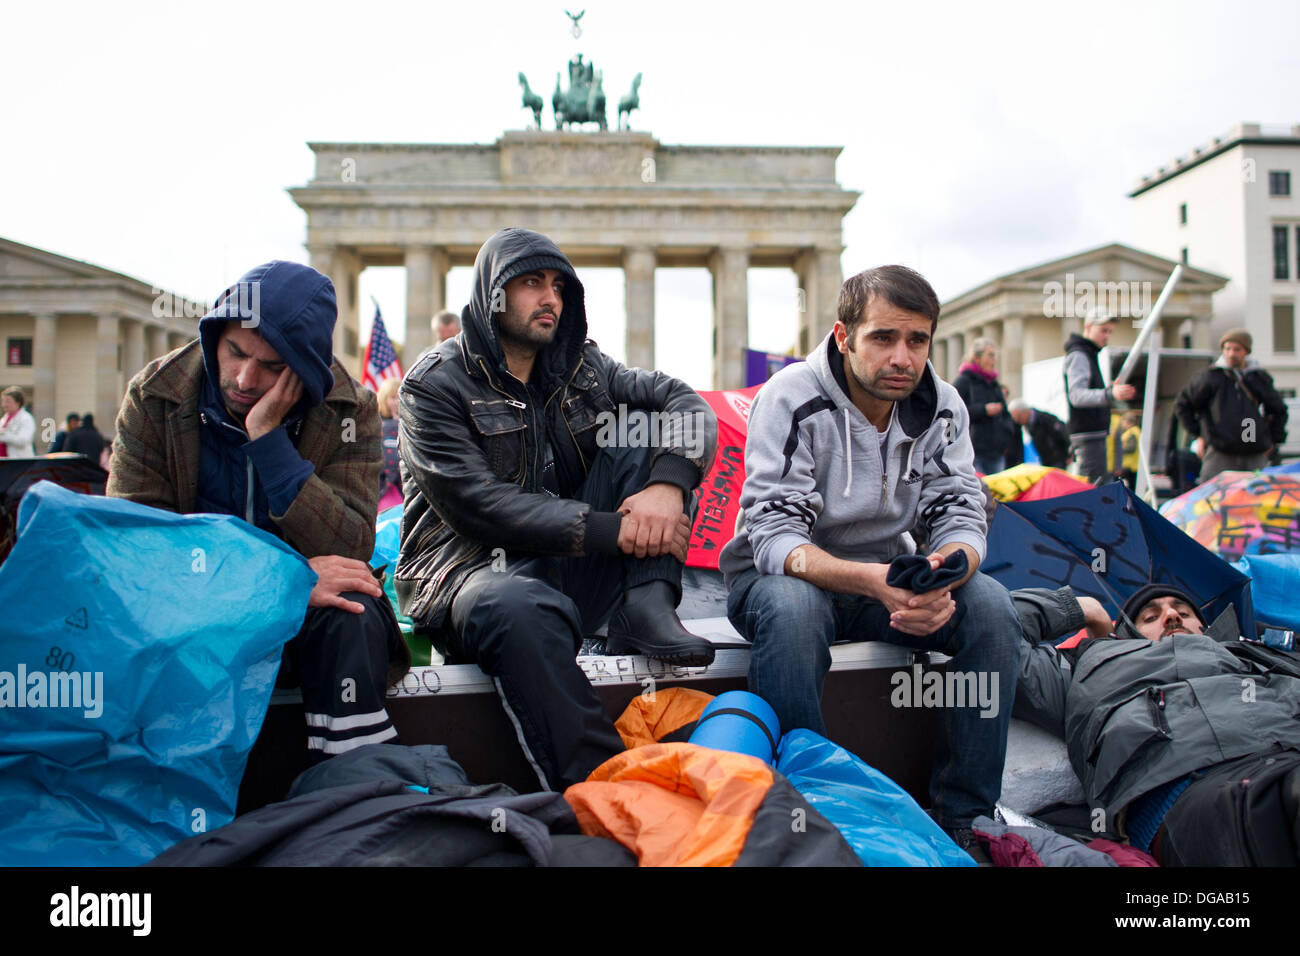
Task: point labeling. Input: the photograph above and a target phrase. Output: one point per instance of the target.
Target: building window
(1281, 265)
(1283, 327)
(19, 351)
(1182, 214)
(1279, 183)
(1183, 254)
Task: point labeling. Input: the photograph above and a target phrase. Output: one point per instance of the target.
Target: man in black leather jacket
(545, 483)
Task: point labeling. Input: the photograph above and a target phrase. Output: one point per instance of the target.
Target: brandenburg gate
(608, 198)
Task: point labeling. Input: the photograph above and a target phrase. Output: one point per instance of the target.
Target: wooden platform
(457, 706)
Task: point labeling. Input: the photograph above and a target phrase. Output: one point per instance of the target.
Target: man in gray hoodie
(851, 457)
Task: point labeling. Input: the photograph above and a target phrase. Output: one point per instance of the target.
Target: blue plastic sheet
(877, 817)
(1274, 584)
(156, 639)
(388, 539)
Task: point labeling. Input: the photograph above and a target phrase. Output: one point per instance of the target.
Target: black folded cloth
(912, 572)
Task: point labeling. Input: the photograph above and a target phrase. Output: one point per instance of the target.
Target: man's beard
(235, 410)
(875, 387)
(522, 333)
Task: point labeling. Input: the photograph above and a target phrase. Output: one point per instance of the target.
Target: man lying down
(1186, 737)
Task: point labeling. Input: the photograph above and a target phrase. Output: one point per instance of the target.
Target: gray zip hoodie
(816, 470)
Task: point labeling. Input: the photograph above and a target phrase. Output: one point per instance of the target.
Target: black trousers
(522, 620)
(1245, 812)
(342, 662)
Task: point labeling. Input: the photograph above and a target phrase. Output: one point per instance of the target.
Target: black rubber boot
(647, 623)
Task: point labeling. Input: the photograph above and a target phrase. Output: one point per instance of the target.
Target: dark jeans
(344, 663)
(792, 625)
(522, 620)
(990, 464)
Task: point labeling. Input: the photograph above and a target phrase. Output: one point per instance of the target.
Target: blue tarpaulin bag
(138, 651)
(1274, 585)
(877, 817)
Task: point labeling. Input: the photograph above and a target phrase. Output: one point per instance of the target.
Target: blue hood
(293, 308)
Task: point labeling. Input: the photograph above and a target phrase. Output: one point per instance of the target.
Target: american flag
(381, 360)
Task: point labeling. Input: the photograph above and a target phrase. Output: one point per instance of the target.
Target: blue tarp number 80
(138, 651)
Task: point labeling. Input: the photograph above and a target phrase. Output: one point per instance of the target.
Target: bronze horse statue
(531, 101)
(629, 103)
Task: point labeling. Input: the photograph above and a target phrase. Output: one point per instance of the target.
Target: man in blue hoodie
(852, 458)
(256, 419)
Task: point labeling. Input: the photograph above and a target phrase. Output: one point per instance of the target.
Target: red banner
(720, 491)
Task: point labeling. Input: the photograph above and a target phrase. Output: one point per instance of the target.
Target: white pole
(1148, 326)
(1144, 489)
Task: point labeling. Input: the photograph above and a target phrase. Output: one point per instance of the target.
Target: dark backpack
(1228, 425)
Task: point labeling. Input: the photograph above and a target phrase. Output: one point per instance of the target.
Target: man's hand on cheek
(271, 408)
(336, 575)
(654, 523)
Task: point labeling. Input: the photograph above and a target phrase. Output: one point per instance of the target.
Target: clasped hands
(909, 613)
(654, 523)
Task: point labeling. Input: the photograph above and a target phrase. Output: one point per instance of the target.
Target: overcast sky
(158, 139)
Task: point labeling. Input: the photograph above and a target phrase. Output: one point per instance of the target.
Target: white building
(1232, 206)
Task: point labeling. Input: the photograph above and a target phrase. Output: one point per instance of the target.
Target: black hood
(1081, 343)
(293, 308)
(513, 252)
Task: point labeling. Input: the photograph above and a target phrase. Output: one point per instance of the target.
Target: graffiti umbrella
(1106, 543)
(720, 491)
(1241, 512)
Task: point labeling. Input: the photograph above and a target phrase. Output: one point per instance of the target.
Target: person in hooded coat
(548, 490)
(1235, 409)
(256, 419)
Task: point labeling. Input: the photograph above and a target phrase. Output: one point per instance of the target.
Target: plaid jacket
(156, 455)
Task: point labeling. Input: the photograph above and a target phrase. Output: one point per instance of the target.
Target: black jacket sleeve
(1193, 401)
(1044, 674)
(968, 397)
(690, 437)
(1275, 410)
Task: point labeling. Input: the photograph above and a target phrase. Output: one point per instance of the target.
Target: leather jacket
(473, 438)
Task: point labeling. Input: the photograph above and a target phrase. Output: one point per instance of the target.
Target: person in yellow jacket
(1130, 436)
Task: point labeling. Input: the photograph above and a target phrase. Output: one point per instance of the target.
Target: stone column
(45, 335)
(729, 267)
(1011, 359)
(155, 342)
(1201, 336)
(132, 348)
(107, 390)
(323, 261)
(426, 284)
(819, 277)
(348, 348)
(939, 357)
(956, 349)
(639, 293)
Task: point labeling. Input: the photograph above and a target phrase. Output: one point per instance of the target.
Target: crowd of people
(18, 433)
(1232, 413)
(863, 517)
